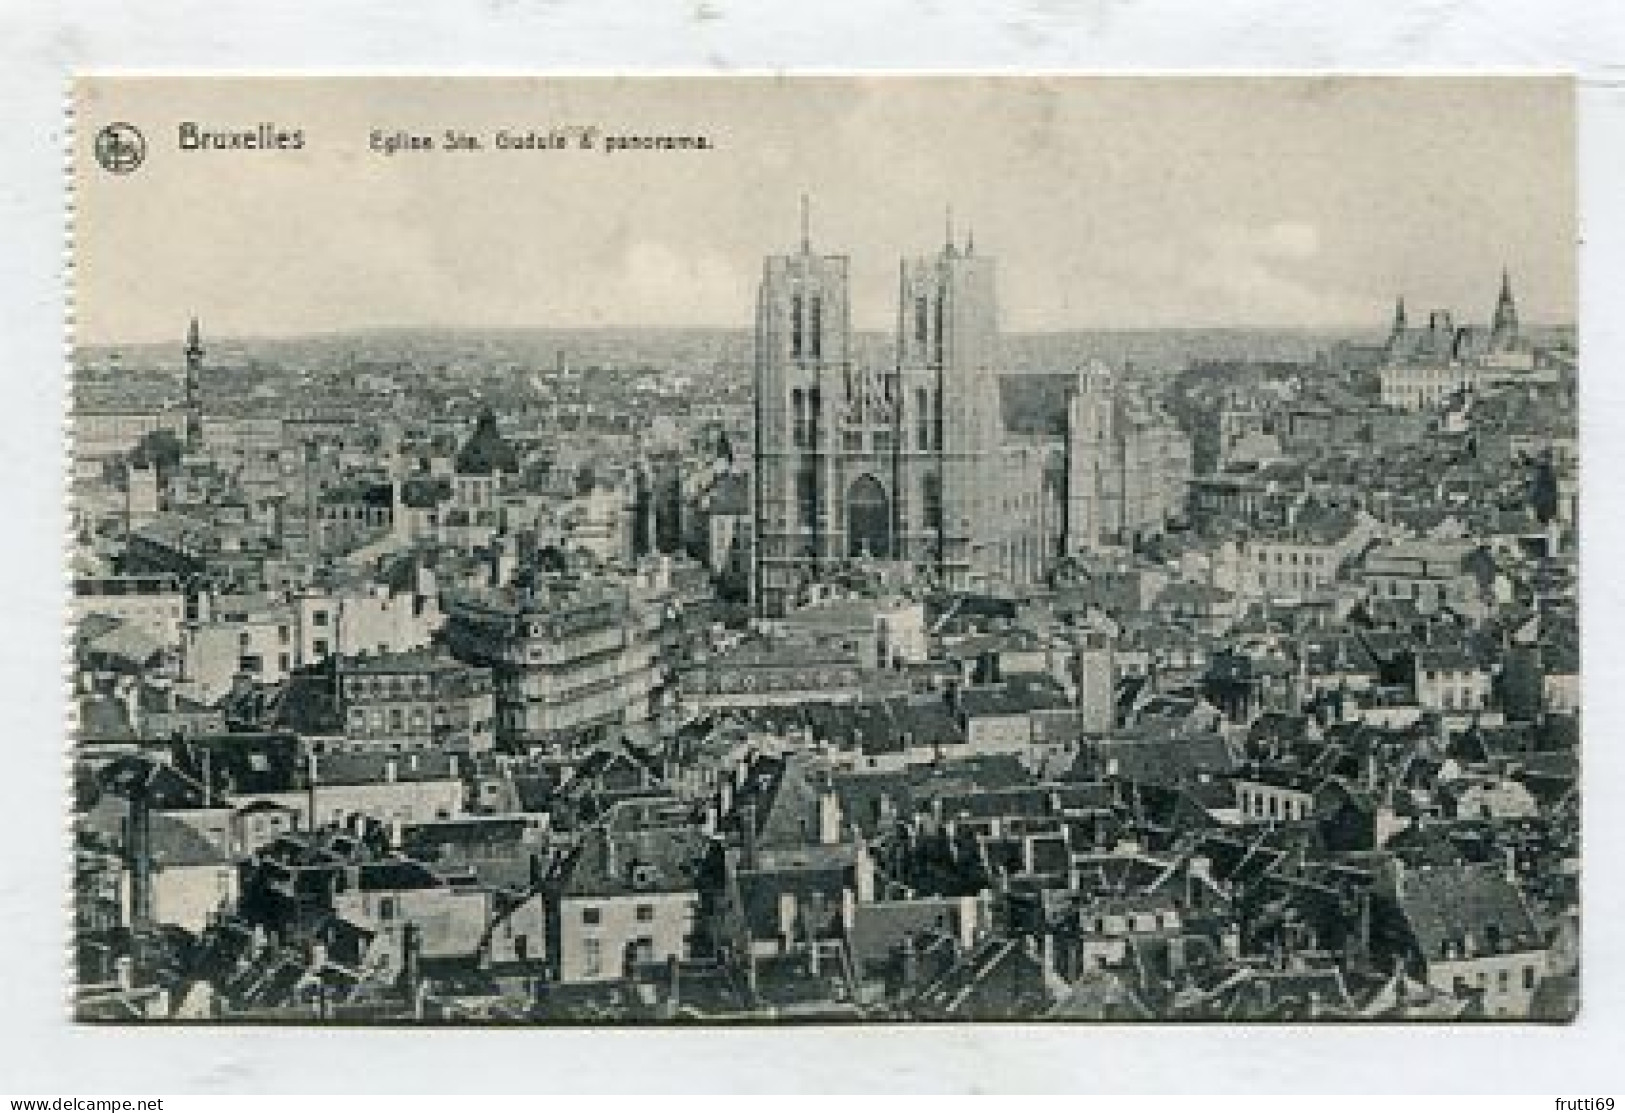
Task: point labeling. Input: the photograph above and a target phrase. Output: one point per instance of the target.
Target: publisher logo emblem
(120, 148)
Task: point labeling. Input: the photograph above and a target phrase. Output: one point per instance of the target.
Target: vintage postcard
(602, 550)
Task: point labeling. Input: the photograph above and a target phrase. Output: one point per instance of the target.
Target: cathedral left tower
(803, 355)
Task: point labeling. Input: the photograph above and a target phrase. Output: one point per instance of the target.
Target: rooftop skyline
(1110, 203)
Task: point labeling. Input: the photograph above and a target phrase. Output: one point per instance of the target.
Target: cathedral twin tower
(856, 464)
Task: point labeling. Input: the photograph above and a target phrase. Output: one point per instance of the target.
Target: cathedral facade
(909, 466)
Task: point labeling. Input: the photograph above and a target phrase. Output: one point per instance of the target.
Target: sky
(1155, 202)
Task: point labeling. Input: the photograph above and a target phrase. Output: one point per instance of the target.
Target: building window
(806, 498)
(386, 908)
(645, 913)
(815, 327)
(795, 327)
(397, 719)
(319, 647)
(922, 419)
(1529, 977)
(921, 319)
(318, 618)
(592, 957)
(592, 915)
(1503, 981)
(931, 502)
(798, 406)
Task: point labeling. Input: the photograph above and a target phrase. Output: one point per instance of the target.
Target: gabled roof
(624, 863)
(1450, 906)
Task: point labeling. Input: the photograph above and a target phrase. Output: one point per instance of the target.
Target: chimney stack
(829, 817)
(747, 836)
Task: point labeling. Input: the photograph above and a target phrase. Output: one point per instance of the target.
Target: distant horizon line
(385, 330)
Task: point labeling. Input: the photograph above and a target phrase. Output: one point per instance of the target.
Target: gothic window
(921, 320)
(806, 498)
(798, 403)
(814, 405)
(922, 420)
(815, 329)
(795, 327)
(931, 501)
(937, 353)
(936, 419)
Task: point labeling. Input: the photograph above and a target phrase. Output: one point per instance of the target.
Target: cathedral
(1442, 341)
(911, 466)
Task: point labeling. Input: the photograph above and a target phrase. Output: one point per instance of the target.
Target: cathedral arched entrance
(868, 519)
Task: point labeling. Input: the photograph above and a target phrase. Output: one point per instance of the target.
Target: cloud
(1254, 273)
(668, 286)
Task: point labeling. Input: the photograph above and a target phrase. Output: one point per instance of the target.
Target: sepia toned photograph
(823, 550)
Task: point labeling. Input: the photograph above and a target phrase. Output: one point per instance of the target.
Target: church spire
(1396, 334)
(806, 225)
(194, 387)
(948, 221)
(1504, 329)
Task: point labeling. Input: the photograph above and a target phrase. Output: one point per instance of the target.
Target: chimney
(310, 790)
(411, 968)
(829, 817)
(908, 962)
(865, 868)
(968, 924)
(129, 692)
(747, 836)
(140, 854)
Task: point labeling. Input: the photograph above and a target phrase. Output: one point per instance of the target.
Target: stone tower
(1504, 328)
(803, 358)
(194, 388)
(1396, 335)
(951, 424)
(1094, 485)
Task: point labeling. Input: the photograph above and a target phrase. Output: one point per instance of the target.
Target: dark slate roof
(104, 718)
(1036, 403)
(998, 980)
(655, 860)
(879, 926)
(486, 452)
(730, 494)
(1446, 904)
